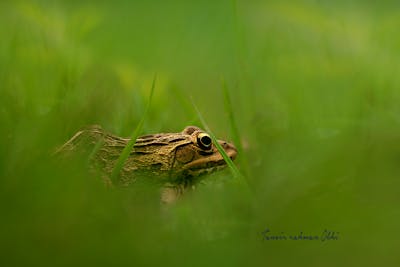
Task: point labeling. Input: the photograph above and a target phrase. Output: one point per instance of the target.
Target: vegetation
(310, 88)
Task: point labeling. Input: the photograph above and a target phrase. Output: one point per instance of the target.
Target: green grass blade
(237, 140)
(236, 173)
(128, 148)
(232, 122)
(96, 148)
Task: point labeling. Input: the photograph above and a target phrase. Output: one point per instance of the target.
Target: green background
(315, 90)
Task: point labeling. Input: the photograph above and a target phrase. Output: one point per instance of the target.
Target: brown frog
(175, 160)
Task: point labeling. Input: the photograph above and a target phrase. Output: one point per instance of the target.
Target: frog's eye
(204, 141)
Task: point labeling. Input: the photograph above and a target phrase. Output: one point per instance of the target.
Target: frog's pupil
(206, 141)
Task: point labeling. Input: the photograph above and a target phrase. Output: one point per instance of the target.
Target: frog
(176, 161)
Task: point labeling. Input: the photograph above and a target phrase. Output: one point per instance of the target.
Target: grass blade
(234, 130)
(128, 148)
(229, 109)
(236, 173)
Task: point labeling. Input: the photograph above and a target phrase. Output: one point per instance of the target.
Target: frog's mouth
(212, 162)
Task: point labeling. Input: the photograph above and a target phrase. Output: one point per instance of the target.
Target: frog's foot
(170, 193)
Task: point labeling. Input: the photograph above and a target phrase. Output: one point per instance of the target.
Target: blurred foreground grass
(315, 88)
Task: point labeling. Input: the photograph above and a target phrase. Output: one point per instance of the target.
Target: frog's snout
(229, 148)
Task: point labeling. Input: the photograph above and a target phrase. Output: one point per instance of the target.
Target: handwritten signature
(325, 235)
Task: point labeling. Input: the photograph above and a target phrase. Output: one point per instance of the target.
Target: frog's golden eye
(204, 141)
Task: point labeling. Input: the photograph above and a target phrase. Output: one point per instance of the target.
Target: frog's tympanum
(175, 160)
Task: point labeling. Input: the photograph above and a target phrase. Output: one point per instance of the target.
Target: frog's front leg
(170, 193)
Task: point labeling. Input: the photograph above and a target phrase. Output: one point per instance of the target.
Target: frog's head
(200, 155)
(187, 154)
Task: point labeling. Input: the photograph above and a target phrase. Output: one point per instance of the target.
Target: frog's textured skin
(175, 160)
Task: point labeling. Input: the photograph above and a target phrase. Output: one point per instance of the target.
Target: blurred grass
(135, 134)
(315, 91)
